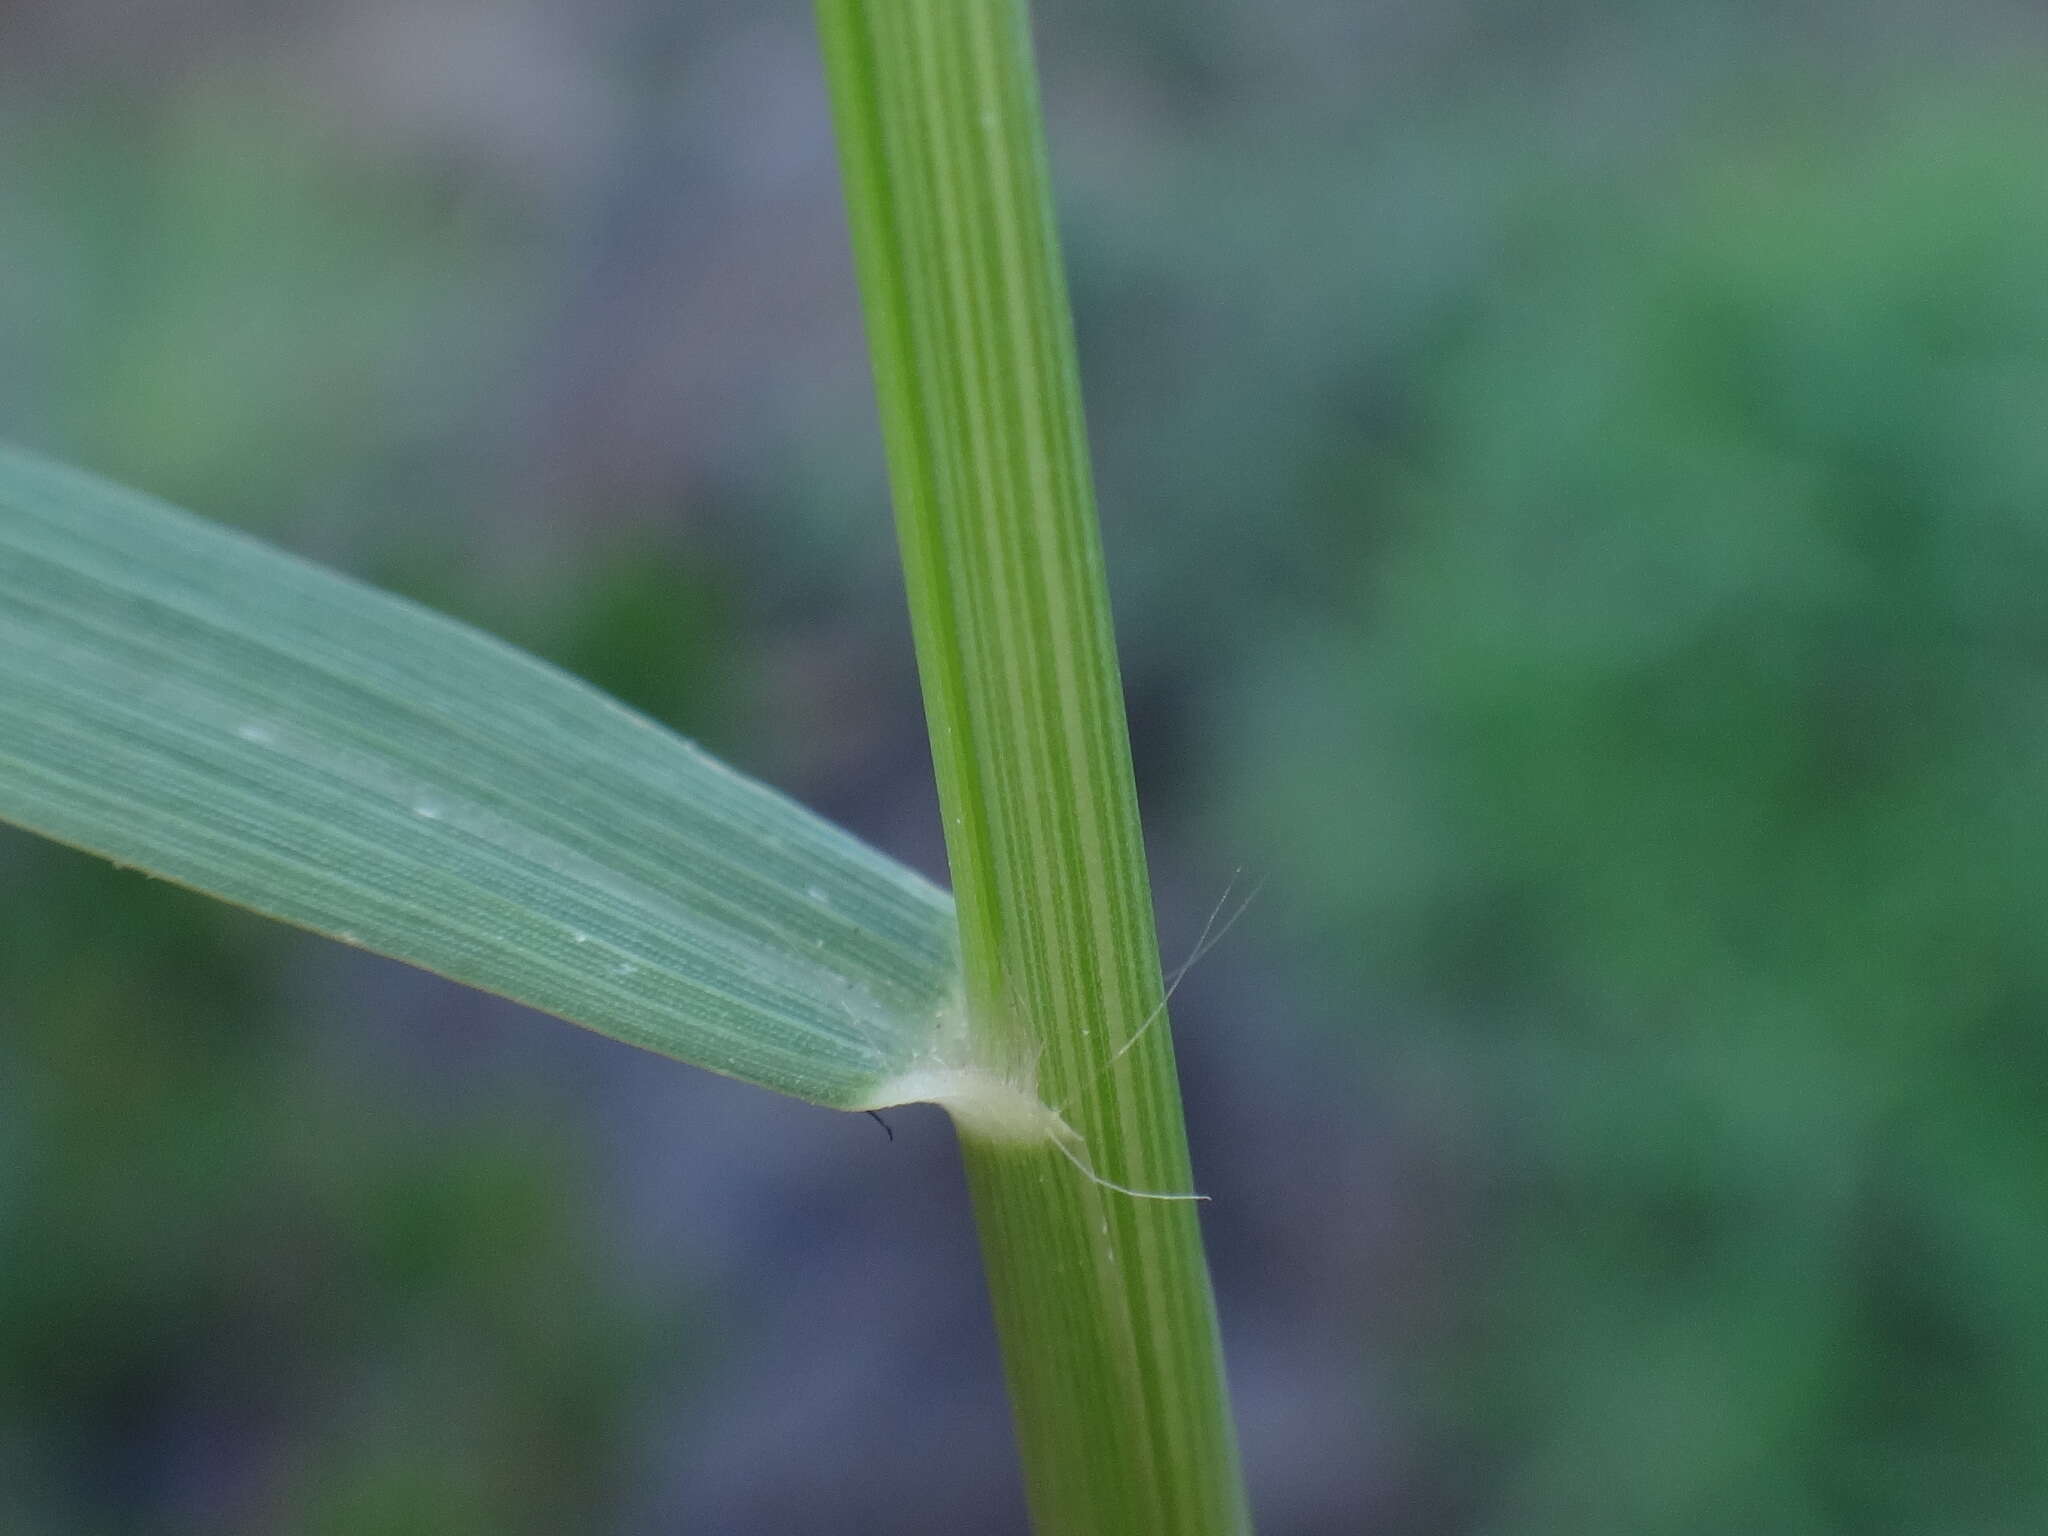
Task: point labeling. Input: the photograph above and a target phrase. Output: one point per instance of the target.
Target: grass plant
(184, 700)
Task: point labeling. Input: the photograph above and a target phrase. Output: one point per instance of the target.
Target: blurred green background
(1576, 486)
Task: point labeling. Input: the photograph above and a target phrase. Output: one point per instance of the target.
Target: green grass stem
(1101, 1297)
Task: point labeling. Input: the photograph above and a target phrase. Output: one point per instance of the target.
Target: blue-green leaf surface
(188, 701)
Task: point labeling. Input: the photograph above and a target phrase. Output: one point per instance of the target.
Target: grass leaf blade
(180, 698)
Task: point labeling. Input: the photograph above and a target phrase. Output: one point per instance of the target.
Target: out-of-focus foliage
(1684, 767)
(204, 280)
(234, 1300)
